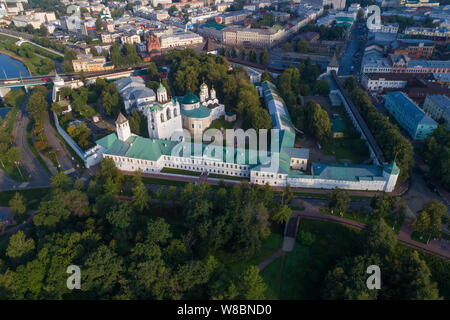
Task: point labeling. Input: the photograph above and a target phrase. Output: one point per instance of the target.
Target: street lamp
(17, 165)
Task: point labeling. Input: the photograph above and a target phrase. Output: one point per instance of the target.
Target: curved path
(438, 248)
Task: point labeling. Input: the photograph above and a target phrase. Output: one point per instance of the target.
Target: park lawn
(270, 275)
(237, 265)
(326, 195)
(32, 196)
(14, 173)
(416, 237)
(397, 225)
(15, 98)
(180, 171)
(297, 208)
(347, 149)
(43, 52)
(358, 216)
(157, 181)
(221, 124)
(225, 177)
(306, 267)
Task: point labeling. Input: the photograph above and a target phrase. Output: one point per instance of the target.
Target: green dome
(161, 88)
(190, 98)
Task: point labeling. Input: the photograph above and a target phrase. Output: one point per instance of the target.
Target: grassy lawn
(305, 267)
(221, 124)
(397, 225)
(15, 98)
(222, 176)
(14, 173)
(32, 196)
(270, 276)
(44, 52)
(362, 217)
(325, 195)
(237, 266)
(157, 181)
(297, 208)
(353, 150)
(416, 237)
(180, 171)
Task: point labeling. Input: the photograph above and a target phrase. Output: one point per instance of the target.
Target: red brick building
(415, 49)
(153, 47)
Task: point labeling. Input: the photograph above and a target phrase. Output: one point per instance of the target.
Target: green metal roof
(392, 168)
(346, 172)
(196, 113)
(190, 98)
(338, 125)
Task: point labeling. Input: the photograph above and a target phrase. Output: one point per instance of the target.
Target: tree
(252, 285)
(301, 46)
(265, 76)
(429, 219)
(322, 87)
(51, 213)
(101, 272)
(287, 46)
(158, 231)
(19, 246)
(264, 58)
(18, 207)
(98, 24)
(287, 194)
(140, 197)
(61, 181)
(410, 279)
(382, 205)
(339, 200)
(377, 237)
(282, 214)
(347, 281)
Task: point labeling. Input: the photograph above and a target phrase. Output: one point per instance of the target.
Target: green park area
(10, 156)
(347, 150)
(37, 60)
(320, 247)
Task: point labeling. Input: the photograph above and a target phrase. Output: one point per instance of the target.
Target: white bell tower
(122, 128)
(161, 93)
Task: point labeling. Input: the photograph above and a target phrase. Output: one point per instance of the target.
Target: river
(11, 68)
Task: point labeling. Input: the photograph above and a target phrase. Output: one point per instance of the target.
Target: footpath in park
(439, 248)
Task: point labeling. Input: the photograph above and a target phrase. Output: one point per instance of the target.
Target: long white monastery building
(284, 164)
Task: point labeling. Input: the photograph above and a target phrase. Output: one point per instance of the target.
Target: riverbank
(36, 60)
(30, 67)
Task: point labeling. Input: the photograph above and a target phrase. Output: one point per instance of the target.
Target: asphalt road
(355, 44)
(64, 157)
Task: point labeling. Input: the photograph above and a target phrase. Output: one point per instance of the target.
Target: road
(39, 177)
(419, 193)
(64, 157)
(354, 51)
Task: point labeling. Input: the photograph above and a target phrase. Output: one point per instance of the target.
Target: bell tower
(122, 128)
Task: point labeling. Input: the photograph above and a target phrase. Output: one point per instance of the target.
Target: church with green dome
(198, 112)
